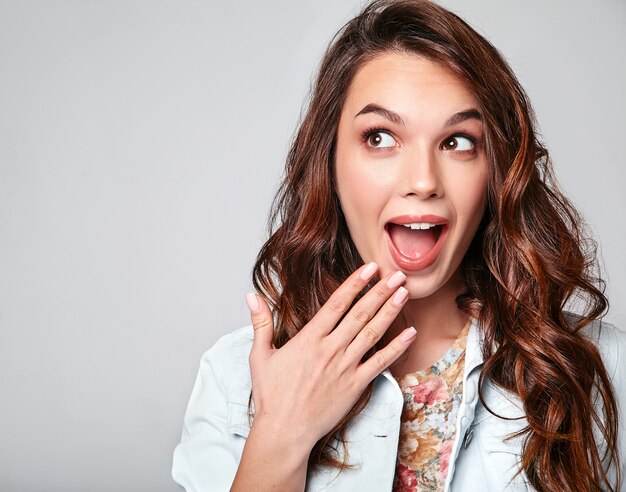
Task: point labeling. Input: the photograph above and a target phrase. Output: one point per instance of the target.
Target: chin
(436, 282)
(421, 290)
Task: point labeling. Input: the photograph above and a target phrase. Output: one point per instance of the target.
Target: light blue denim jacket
(216, 424)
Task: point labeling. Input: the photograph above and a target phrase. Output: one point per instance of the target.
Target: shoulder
(231, 347)
(228, 361)
(216, 418)
(611, 343)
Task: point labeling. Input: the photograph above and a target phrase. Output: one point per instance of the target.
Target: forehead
(408, 84)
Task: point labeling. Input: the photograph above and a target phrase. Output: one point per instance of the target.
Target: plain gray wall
(141, 143)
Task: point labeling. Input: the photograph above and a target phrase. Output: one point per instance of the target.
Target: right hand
(303, 389)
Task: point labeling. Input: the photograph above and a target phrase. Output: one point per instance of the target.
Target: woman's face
(410, 169)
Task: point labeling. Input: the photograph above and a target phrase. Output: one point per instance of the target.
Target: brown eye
(458, 143)
(379, 139)
(375, 139)
(450, 144)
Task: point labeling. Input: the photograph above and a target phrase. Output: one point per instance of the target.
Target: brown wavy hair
(529, 258)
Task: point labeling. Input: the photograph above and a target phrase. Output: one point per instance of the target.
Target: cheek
(472, 197)
(360, 187)
(362, 194)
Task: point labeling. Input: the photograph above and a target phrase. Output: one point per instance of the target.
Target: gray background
(140, 145)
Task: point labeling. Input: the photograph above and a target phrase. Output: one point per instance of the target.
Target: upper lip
(412, 219)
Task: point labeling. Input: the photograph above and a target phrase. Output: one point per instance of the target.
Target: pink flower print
(406, 479)
(445, 450)
(431, 391)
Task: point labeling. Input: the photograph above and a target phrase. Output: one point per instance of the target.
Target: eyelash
(366, 134)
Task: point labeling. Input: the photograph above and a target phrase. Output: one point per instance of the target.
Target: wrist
(271, 460)
(282, 437)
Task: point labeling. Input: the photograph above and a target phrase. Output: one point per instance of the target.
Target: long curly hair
(529, 258)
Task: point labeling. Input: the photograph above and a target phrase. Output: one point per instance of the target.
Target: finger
(376, 328)
(367, 307)
(340, 301)
(386, 356)
(262, 322)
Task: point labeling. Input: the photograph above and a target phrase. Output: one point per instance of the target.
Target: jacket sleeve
(204, 460)
(618, 378)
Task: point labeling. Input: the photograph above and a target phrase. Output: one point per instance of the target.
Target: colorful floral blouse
(432, 398)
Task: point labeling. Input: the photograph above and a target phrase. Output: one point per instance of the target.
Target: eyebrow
(455, 119)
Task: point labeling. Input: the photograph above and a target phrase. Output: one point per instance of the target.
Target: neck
(438, 322)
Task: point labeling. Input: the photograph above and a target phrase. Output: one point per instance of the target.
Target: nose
(420, 174)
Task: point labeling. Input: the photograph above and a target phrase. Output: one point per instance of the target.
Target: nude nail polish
(252, 301)
(396, 280)
(408, 334)
(368, 271)
(400, 296)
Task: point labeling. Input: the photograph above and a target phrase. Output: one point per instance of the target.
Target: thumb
(262, 322)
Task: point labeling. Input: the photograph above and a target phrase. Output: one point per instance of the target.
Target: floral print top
(432, 397)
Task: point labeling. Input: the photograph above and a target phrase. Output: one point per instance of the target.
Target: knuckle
(360, 315)
(394, 350)
(381, 292)
(337, 305)
(381, 362)
(391, 311)
(325, 351)
(261, 323)
(370, 335)
(355, 284)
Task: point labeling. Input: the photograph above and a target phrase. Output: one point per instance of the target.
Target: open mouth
(415, 246)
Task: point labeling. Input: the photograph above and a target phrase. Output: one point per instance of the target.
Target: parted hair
(529, 258)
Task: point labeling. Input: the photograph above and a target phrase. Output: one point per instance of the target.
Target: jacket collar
(473, 354)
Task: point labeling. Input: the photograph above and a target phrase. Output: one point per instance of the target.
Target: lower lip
(411, 264)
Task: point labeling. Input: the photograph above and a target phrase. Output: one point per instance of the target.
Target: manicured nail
(400, 296)
(395, 280)
(252, 301)
(408, 334)
(368, 271)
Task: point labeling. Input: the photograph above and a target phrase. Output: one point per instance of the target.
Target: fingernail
(408, 334)
(395, 280)
(400, 296)
(368, 271)
(252, 302)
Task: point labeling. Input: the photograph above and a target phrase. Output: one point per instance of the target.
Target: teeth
(420, 225)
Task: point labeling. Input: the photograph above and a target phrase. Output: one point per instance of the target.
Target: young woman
(412, 334)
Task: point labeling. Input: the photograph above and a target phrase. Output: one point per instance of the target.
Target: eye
(459, 143)
(378, 139)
